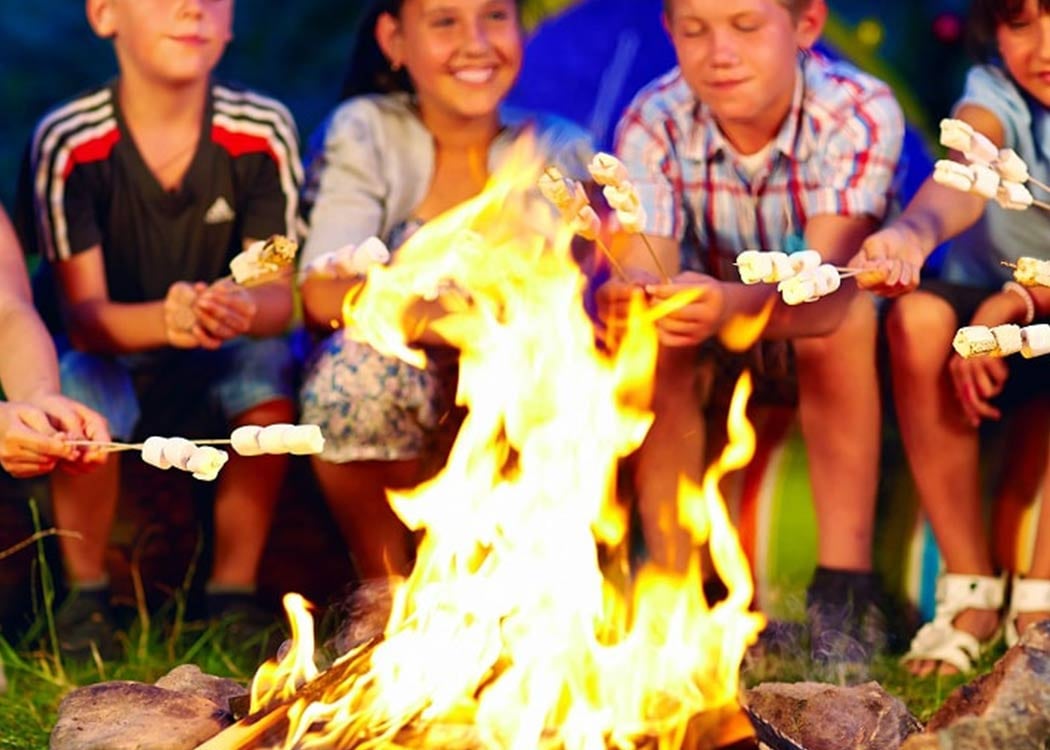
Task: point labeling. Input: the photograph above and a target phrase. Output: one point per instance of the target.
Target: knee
(855, 334)
(919, 329)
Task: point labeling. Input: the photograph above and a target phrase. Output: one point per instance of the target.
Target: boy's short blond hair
(795, 7)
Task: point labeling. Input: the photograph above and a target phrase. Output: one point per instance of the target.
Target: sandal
(939, 640)
(1026, 595)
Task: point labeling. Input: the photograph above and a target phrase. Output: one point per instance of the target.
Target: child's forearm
(323, 301)
(937, 214)
(106, 327)
(29, 365)
(273, 304)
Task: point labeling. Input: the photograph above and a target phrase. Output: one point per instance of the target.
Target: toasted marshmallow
(245, 440)
(622, 196)
(553, 187)
(153, 452)
(586, 223)
(1007, 339)
(606, 169)
(1010, 166)
(632, 221)
(798, 289)
(782, 267)
(956, 134)
(954, 175)
(1036, 340)
(1032, 271)
(754, 266)
(974, 341)
(206, 462)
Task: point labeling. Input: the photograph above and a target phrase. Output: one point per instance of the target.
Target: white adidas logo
(219, 212)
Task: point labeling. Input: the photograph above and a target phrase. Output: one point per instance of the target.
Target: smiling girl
(420, 131)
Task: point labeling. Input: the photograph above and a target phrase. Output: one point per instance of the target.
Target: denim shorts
(169, 383)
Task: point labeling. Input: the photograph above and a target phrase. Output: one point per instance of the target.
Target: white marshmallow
(798, 289)
(1013, 196)
(586, 223)
(754, 266)
(304, 440)
(954, 175)
(153, 452)
(986, 181)
(1032, 271)
(632, 221)
(782, 267)
(805, 260)
(974, 341)
(981, 150)
(245, 440)
(372, 251)
(178, 451)
(1011, 167)
(206, 462)
(1036, 340)
(1007, 339)
(273, 438)
(956, 134)
(553, 187)
(606, 169)
(622, 196)
(245, 265)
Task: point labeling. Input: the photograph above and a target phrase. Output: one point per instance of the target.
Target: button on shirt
(836, 153)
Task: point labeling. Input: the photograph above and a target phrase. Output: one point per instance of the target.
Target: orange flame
(508, 622)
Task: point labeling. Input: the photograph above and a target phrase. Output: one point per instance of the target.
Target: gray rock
(134, 716)
(818, 716)
(189, 679)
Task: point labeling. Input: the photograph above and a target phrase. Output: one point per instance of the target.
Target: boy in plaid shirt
(755, 142)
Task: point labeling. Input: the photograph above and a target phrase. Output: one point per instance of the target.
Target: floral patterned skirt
(371, 407)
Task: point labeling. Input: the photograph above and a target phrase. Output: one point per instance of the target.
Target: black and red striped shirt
(90, 186)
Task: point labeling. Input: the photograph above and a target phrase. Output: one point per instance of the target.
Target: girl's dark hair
(984, 19)
(369, 71)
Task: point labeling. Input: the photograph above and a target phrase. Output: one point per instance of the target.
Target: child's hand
(225, 310)
(29, 444)
(977, 381)
(890, 261)
(614, 303)
(76, 422)
(696, 321)
(181, 327)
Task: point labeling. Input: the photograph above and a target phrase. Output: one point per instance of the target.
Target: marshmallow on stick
(619, 191)
(772, 267)
(264, 260)
(297, 439)
(1003, 340)
(202, 461)
(991, 172)
(349, 261)
(1032, 272)
(810, 285)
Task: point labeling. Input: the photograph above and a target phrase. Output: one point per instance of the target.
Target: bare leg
(1040, 568)
(379, 542)
(841, 417)
(673, 449)
(942, 449)
(245, 502)
(86, 503)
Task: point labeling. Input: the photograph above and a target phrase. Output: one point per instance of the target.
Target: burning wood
(507, 633)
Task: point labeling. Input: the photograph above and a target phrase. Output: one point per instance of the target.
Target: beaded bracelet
(1026, 296)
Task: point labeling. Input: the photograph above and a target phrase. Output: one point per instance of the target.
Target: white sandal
(939, 640)
(1026, 595)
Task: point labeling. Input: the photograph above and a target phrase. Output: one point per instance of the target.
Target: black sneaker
(243, 620)
(84, 624)
(846, 622)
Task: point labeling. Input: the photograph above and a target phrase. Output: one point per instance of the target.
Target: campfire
(523, 624)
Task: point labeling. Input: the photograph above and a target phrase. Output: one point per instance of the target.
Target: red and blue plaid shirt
(836, 153)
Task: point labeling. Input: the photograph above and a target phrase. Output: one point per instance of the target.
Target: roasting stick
(115, 447)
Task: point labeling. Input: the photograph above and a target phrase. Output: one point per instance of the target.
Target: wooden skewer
(656, 259)
(1039, 184)
(117, 446)
(613, 263)
(1041, 204)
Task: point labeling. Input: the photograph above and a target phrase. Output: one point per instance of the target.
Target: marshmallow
(981, 150)
(974, 341)
(954, 175)
(805, 260)
(1013, 196)
(586, 223)
(206, 462)
(273, 438)
(754, 266)
(956, 134)
(986, 181)
(304, 440)
(1035, 340)
(245, 440)
(606, 169)
(554, 187)
(263, 258)
(798, 289)
(178, 451)
(782, 267)
(245, 265)
(153, 452)
(622, 196)
(827, 279)
(1032, 271)
(1007, 339)
(1010, 166)
(632, 221)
